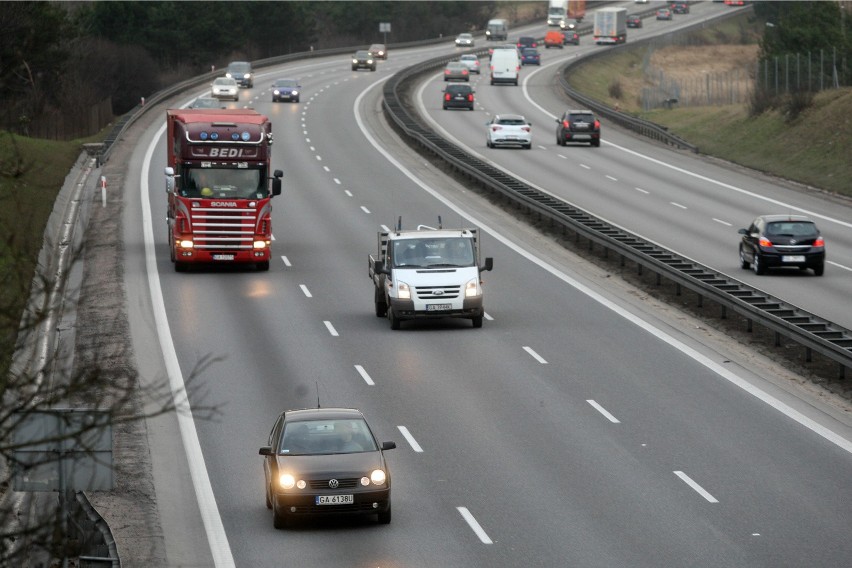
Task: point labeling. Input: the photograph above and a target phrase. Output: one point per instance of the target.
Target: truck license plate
(335, 499)
(794, 258)
(438, 307)
(223, 257)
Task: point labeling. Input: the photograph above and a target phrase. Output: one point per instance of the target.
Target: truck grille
(437, 292)
(224, 229)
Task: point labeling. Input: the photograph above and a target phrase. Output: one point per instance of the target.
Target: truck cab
(428, 273)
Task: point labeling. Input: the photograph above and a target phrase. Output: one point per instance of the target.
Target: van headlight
(471, 289)
(403, 291)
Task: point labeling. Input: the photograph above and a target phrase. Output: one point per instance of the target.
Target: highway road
(581, 426)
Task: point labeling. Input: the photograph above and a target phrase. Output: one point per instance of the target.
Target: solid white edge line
(697, 488)
(471, 521)
(838, 265)
(220, 549)
(717, 368)
(364, 375)
(603, 411)
(410, 439)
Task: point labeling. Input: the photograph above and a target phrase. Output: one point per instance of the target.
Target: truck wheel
(180, 266)
(262, 266)
(477, 321)
(394, 321)
(381, 306)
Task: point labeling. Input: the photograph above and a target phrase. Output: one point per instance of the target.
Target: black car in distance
(775, 241)
(578, 126)
(458, 96)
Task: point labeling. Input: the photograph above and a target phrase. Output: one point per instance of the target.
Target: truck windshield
(446, 252)
(224, 183)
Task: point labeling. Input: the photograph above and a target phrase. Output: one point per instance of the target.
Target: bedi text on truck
(428, 273)
(218, 184)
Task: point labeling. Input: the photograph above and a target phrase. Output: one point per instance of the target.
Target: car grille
(342, 483)
(437, 292)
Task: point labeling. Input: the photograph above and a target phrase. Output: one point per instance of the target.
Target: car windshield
(791, 229)
(223, 81)
(239, 68)
(285, 83)
(530, 51)
(362, 54)
(433, 252)
(224, 183)
(206, 103)
(317, 437)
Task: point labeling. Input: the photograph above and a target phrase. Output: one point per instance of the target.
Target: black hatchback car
(325, 461)
(458, 96)
(782, 241)
(578, 126)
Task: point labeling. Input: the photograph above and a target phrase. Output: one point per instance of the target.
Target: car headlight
(354, 61)
(471, 289)
(276, 92)
(294, 92)
(403, 291)
(286, 481)
(378, 477)
(247, 76)
(370, 61)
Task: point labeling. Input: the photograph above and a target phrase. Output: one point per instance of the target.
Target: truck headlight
(471, 289)
(187, 244)
(403, 291)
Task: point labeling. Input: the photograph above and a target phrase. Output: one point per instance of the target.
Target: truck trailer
(610, 25)
(219, 188)
(428, 273)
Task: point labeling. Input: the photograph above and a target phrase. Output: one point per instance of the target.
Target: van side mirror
(489, 264)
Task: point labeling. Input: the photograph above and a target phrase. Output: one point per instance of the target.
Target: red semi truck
(219, 188)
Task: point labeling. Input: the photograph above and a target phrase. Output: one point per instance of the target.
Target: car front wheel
(385, 516)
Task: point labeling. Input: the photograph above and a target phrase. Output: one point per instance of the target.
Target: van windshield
(450, 252)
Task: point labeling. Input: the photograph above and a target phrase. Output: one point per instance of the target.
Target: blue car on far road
(530, 56)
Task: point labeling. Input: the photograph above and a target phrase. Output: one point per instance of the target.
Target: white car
(509, 130)
(226, 88)
(472, 62)
(464, 40)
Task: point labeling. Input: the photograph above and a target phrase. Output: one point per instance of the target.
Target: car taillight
(566, 124)
(470, 98)
(525, 128)
(446, 71)
(597, 124)
(819, 242)
(495, 128)
(447, 96)
(464, 71)
(764, 242)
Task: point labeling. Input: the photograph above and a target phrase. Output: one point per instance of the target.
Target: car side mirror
(265, 451)
(388, 445)
(743, 231)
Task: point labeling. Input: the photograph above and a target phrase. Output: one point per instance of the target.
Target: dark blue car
(285, 90)
(530, 56)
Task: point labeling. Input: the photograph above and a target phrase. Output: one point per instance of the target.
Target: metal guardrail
(786, 320)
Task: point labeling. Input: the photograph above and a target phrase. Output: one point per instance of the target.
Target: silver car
(464, 40)
(472, 62)
(509, 130)
(226, 88)
(456, 71)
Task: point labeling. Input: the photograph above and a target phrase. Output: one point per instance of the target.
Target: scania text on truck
(428, 273)
(219, 188)
(610, 25)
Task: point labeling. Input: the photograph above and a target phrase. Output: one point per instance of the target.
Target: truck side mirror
(170, 179)
(276, 182)
(489, 264)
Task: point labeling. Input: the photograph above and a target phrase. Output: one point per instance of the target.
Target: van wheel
(394, 320)
(381, 306)
(477, 321)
